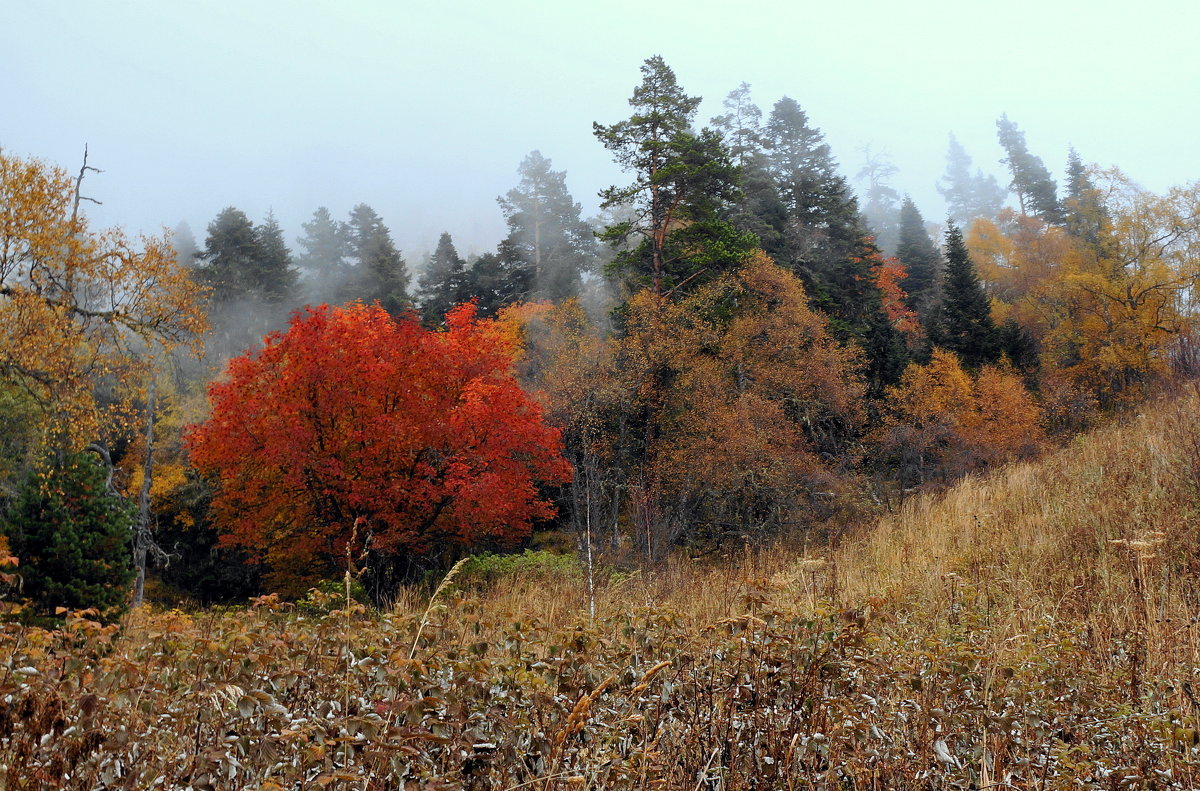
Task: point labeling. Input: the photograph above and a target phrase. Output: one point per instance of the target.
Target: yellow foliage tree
(1125, 302)
(1107, 312)
(750, 405)
(80, 307)
(567, 363)
(1020, 260)
(941, 423)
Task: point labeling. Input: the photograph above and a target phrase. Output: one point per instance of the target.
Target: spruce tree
(965, 324)
(968, 195)
(1037, 193)
(826, 242)
(495, 284)
(444, 283)
(73, 537)
(323, 251)
(548, 245)
(1018, 346)
(275, 276)
(379, 273)
(825, 234)
(805, 171)
(183, 241)
(230, 256)
(920, 258)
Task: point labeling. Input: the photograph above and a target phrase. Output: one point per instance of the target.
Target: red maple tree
(421, 438)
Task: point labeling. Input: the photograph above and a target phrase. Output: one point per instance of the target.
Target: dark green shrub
(73, 538)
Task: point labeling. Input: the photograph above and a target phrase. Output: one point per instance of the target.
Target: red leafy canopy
(351, 414)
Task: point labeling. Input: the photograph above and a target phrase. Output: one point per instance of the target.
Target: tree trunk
(141, 537)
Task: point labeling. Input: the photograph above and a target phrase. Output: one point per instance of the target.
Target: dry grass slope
(1032, 629)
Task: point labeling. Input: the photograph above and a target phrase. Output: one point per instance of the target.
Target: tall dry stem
(445, 583)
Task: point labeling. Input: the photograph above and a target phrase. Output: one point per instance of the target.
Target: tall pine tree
(183, 241)
(230, 257)
(968, 195)
(323, 251)
(1084, 210)
(741, 125)
(252, 279)
(881, 205)
(759, 209)
(493, 284)
(277, 277)
(676, 236)
(826, 242)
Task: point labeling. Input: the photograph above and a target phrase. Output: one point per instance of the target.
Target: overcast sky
(425, 109)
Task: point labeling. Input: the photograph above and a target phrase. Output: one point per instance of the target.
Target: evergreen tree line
(256, 279)
(748, 180)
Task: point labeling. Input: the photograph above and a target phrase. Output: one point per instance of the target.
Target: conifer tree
(826, 243)
(230, 256)
(920, 257)
(968, 195)
(252, 280)
(1085, 215)
(964, 325)
(72, 536)
(805, 171)
(1018, 345)
(759, 209)
(444, 283)
(494, 284)
(548, 245)
(243, 261)
(276, 275)
(676, 237)
(881, 205)
(741, 125)
(379, 272)
(1036, 192)
(824, 233)
(323, 251)
(183, 241)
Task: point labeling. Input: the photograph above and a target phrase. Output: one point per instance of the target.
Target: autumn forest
(750, 428)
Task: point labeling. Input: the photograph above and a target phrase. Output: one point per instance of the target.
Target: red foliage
(425, 436)
(888, 274)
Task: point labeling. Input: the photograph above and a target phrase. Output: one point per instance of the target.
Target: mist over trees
(549, 246)
(739, 346)
(968, 195)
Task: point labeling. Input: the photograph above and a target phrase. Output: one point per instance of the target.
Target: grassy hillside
(1032, 629)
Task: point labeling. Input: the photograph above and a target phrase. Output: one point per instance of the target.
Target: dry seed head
(652, 672)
